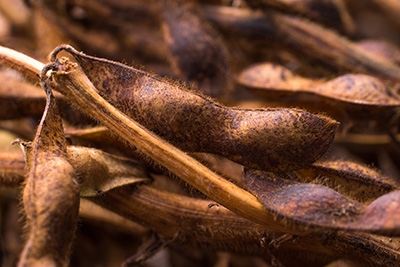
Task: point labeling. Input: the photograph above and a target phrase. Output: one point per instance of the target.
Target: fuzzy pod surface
(274, 139)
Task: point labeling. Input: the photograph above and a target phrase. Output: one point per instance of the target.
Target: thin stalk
(22, 63)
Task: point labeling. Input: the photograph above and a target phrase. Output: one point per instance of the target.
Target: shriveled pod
(315, 205)
(354, 89)
(51, 195)
(196, 51)
(99, 172)
(349, 178)
(269, 139)
(361, 102)
(331, 12)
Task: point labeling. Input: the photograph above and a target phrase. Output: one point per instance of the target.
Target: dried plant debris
(318, 206)
(169, 167)
(282, 136)
(360, 102)
(51, 195)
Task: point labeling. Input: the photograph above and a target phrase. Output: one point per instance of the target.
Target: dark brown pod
(314, 205)
(269, 139)
(196, 51)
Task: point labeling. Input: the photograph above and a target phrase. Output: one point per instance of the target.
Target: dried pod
(354, 89)
(323, 44)
(269, 139)
(197, 53)
(315, 205)
(330, 12)
(51, 195)
(353, 179)
(99, 172)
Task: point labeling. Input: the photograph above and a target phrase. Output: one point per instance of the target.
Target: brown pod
(51, 195)
(196, 52)
(352, 89)
(269, 139)
(319, 206)
(349, 178)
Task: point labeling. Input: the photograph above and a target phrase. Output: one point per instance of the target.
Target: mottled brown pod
(51, 195)
(316, 205)
(354, 89)
(349, 178)
(269, 139)
(197, 53)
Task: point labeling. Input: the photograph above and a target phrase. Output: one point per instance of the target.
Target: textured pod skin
(51, 195)
(352, 89)
(316, 205)
(196, 52)
(51, 207)
(355, 180)
(269, 139)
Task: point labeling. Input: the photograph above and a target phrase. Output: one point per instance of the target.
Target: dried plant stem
(80, 91)
(22, 63)
(191, 222)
